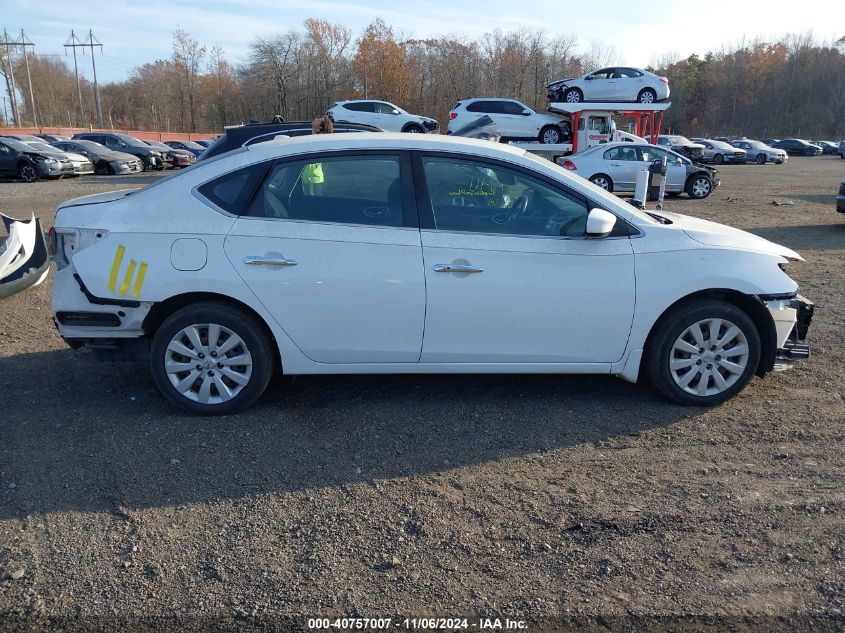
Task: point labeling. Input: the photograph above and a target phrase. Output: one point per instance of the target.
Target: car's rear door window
(350, 189)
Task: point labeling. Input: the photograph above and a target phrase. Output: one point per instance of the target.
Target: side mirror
(394, 111)
(599, 223)
(589, 78)
(526, 112)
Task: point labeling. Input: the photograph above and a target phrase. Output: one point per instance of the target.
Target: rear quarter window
(233, 191)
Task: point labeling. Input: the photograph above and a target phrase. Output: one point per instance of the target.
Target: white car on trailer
(413, 254)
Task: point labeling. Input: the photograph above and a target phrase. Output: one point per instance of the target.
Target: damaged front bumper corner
(24, 258)
(792, 319)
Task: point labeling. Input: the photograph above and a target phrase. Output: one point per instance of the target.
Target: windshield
(721, 145)
(43, 147)
(679, 140)
(158, 145)
(92, 146)
(17, 145)
(131, 140)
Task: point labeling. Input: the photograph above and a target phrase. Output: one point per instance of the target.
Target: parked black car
(28, 163)
(151, 158)
(178, 157)
(828, 147)
(797, 146)
(105, 161)
(189, 146)
(251, 133)
(53, 138)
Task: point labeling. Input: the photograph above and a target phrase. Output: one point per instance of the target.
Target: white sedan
(611, 84)
(392, 253)
(614, 167)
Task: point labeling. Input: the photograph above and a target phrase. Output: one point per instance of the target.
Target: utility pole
(25, 41)
(74, 42)
(11, 77)
(92, 41)
(5, 113)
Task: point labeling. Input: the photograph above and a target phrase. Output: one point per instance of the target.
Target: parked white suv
(382, 114)
(515, 120)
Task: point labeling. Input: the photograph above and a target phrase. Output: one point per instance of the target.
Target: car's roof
(488, 99)
(384, 140)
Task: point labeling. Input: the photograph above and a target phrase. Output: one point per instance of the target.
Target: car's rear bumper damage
(24, 259)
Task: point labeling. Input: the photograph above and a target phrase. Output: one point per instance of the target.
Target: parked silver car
(614, 167)
(611, 84)
(761, 153)
(719, 152)
(81, 165)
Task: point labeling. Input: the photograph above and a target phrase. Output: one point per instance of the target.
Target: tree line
(791, 87)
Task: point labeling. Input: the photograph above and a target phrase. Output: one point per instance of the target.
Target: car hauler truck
(592, 124)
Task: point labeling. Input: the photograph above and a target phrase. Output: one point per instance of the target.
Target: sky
(134, 33)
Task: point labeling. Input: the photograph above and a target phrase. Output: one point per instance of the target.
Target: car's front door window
(479, 197)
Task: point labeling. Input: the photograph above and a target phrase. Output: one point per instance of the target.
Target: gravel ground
(568, 503)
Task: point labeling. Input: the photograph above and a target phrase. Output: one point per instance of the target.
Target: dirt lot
(569, 502)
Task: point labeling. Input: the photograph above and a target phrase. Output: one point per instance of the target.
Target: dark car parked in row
(17, 159)
(105, 161)
(178, 157)
(53, 138)
(150, 158)
(828, 147)
(797, 146)
(251, 133)
(189, 146)
(840, 199)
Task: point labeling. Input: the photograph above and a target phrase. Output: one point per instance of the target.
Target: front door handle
(258, 260)
(457, 268)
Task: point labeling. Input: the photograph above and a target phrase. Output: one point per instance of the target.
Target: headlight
(155, 153)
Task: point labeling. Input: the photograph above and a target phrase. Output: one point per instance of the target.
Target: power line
(90, 42)
(74, 42)
(10, 77)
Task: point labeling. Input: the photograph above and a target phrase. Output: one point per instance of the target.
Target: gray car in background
(105, 160)
(719, 152)
(760, 153)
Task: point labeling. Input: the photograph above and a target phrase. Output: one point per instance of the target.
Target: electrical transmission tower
(24, 42)
(10, 77)
(90, 42)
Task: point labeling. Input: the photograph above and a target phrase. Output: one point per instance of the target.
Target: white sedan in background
(619, 83)
(614, 167)
(381, 114)
(391, 253)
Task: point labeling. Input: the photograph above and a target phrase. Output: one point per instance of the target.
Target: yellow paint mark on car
(127, 278)
(115, 266)
(128, 275)
(142, 272)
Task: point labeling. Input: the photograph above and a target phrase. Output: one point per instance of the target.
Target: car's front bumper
(127, 167)
(792, 318)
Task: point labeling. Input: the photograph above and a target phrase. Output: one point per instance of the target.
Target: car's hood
(110, 155)
(559, 82)
(96, 198)
(79, 158)
(714, 234)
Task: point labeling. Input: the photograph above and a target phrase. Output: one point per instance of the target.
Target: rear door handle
(457, 268)
(258, 260)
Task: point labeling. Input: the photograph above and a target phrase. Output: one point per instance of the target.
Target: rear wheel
(573, 95)
(760, 159)
(550, 135)
(211, 358)
(647, 95)
(699, 186)
(28, 172)
(704, 353)
(602, 180)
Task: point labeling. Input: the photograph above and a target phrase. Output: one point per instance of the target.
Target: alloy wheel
(28, 173)
(208, 363)
(573, 96)
(601, 181)
(551, 136)
(647, 97)
(701, 187)
(709, 357)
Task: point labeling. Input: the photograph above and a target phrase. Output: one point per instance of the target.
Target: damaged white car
(392, 253)
(24, 260)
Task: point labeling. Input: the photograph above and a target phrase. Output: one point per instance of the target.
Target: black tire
(413, 129)
(670, 328)
(760, 159)
(550, 135)
(809, 152)
(255, 341)
(145, 164)
(699, 186)
(573, 95)
(28, 172)
(718, 159)
(647, 95)
(602, 180)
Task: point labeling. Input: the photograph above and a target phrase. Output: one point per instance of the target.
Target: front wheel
(809, 152)
(413, 129)
(760, 159)
(699, 186)
(718, 159)
(704, 353)
(211, 358)
(550, 135)
(573, 95)
(28, 172)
